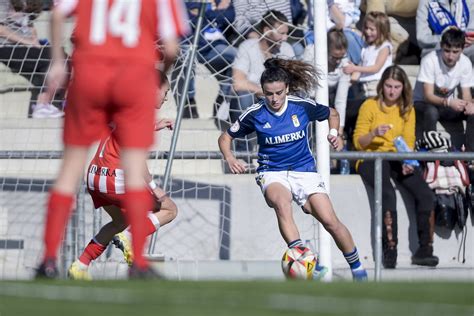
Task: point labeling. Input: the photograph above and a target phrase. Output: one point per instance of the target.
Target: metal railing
(378, 157)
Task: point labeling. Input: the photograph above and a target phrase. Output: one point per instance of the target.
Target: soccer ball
(298, 263)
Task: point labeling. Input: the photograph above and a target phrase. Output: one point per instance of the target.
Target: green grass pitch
(234, 298)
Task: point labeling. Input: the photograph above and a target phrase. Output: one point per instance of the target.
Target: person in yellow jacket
(381, 119)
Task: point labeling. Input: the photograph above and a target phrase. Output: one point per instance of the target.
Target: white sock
(154, 220)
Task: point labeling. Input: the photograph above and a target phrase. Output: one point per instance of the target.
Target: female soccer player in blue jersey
(287, 169)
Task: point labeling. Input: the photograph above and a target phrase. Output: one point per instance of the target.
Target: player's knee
(173, 210)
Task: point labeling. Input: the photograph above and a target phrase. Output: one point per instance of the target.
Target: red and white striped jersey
(104, 173)
(123, 29)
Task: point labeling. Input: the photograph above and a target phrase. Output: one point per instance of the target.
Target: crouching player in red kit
(105, 183)
(114, 80)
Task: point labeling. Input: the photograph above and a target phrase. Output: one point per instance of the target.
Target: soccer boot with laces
(77, 272)
(319, 272)
(122, 242)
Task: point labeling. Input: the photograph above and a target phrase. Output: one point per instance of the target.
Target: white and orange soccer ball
(298, 263)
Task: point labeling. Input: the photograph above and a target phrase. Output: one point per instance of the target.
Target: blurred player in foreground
(114, 80)
(287, 170)
(105, 184)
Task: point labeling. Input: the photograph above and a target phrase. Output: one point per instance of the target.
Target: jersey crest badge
(235, 127)
(295, 120)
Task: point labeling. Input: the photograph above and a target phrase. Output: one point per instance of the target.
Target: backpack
(450, 182)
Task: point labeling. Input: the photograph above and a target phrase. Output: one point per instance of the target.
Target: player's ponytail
(299, 76)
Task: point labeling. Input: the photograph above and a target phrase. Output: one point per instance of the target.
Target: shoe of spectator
(424, 257)
(136, 273)
(123, 243)
(359, 275)
(389, 259)
(76, 272)
(48, 110)
(47, 270)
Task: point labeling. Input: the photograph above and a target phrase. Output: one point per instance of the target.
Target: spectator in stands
(248, 65)
(441, 73)
(22, 52)
(381, 119)
(214, 51)
(400, 11)
(376, 56)
(249, 13)
(434, 16)
(338, 81)
(343, 15)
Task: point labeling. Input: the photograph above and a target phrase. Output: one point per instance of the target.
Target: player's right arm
(225, 141)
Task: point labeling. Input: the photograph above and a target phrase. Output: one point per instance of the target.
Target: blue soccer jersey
(282, 137)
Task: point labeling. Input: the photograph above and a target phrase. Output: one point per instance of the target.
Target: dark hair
(405, 101)
(297, 75)
(337, 39)
(270, 19)
(453, 37)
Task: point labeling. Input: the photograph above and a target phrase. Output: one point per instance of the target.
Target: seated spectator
(344, 14)
(249, 13)
(22, 52)
(338, 81)
(376, 56)
(441, 73)
(397, 11)
(248, 65)
(214, 52)
(434, 16)
(382, 119)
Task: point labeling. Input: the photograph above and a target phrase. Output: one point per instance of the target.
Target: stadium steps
(45, 135)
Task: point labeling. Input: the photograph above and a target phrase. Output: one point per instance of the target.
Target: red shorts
(100, 199)
(106, 91)
(105, 199)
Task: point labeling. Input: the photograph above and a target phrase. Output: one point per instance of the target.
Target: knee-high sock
(152, 225)
(92, 252)
(137, 204)
(59, 210)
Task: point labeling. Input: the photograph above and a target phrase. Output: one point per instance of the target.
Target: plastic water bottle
(344, 167)
(402, 147)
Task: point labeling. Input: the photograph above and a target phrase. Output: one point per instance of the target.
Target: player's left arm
(334, 121)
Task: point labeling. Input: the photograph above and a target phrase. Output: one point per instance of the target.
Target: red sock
(59, 210)
(92, 252)
(137, 204)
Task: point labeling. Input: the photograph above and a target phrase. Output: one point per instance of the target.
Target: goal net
(221, 216)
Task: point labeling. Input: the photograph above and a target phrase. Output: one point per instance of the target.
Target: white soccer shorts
(300, 184)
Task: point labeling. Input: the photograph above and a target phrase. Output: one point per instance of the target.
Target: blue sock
(352, 259)
(295, 243)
